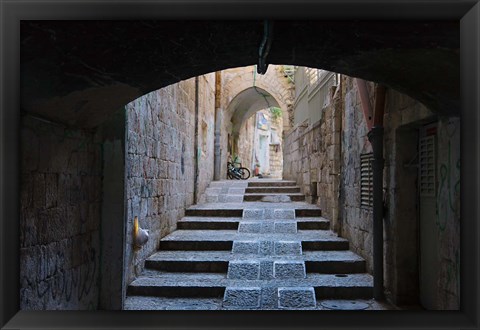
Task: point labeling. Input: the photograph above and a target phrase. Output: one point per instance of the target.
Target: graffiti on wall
(448, 210)
(448, 195)
(54, 284)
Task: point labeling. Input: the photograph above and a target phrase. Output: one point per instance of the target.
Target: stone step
(272, 190)
(215, 212)
(142, 303)
(325, 262)
(217, 303)
(216, 223)
(271, 183)
(338, 286)
(274, 197)
(300, 212)
(212, 223)
(227, 211)
(223, 239)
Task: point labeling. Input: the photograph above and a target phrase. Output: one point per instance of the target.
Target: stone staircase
(235, 253)
(263, 189)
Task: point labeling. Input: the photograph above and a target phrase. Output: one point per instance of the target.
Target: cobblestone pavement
(267, 254)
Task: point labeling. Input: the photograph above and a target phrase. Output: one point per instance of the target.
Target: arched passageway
(119, 61)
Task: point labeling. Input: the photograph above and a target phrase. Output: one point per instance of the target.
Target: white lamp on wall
(140, 235)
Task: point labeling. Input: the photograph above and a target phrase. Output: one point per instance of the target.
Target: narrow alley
(344, 138)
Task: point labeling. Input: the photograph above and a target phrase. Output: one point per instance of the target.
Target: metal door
(429, 265)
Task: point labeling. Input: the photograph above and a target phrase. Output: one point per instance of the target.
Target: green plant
(276, 113)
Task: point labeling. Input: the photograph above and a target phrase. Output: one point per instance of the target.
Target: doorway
(429, 244)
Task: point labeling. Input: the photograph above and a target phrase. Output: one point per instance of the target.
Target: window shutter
(366, 180)
(427, 166)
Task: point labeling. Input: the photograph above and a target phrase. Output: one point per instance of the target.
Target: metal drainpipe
(365, 100)
(217, 153)
(195, 178)
(375, 136)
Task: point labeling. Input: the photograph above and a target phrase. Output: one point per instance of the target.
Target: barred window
(366, 180)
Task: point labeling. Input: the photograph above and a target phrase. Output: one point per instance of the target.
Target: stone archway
(240, 118)
(79, 73)
(273, 88)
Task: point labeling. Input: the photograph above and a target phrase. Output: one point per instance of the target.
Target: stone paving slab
(236, 191)
(320, 256)
(269, 301)
(244, 270)
(223, 239)
(253, 205)
(215, 223)
(242, 297)
(153, 279)
(233, 198)
(274, 197)
(164, 303)
(285, 227)
(284, 189)
(296, 297)
(285, 247)
(289, 269)
(270, 183)
(215, 235)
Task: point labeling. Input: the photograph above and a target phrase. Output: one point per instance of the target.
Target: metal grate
(366, 180)
(427, 166)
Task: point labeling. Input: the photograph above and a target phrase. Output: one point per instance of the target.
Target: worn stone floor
(267, 253)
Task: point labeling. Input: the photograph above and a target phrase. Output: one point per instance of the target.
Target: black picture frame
(466, 11)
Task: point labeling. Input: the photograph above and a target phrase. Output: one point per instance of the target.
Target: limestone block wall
(402, 121)
(61, 184)
(312, 158)
(246, 142)
(356, 222)
(276, 161)
(160, 162)
(206, 133)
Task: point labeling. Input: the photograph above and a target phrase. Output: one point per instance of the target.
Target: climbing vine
(276, 113)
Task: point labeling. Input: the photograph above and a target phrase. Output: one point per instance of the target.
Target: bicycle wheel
(236, 174)
(245, 173)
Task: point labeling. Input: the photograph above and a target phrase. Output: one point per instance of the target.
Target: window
(366, 180)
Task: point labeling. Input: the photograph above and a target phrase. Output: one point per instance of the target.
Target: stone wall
(311, 158)
(206, 134)
(355, 220)
(448, 216)
(61, 184)
(316, 154)
(276, 161)
(246, 141)
(161, 163)
(404, 117)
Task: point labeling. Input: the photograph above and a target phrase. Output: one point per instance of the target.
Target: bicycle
(238, 173)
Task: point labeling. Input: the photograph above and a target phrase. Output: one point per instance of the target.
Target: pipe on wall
(365, 101)
(375, 136)
(196, 146)
(218, 121)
